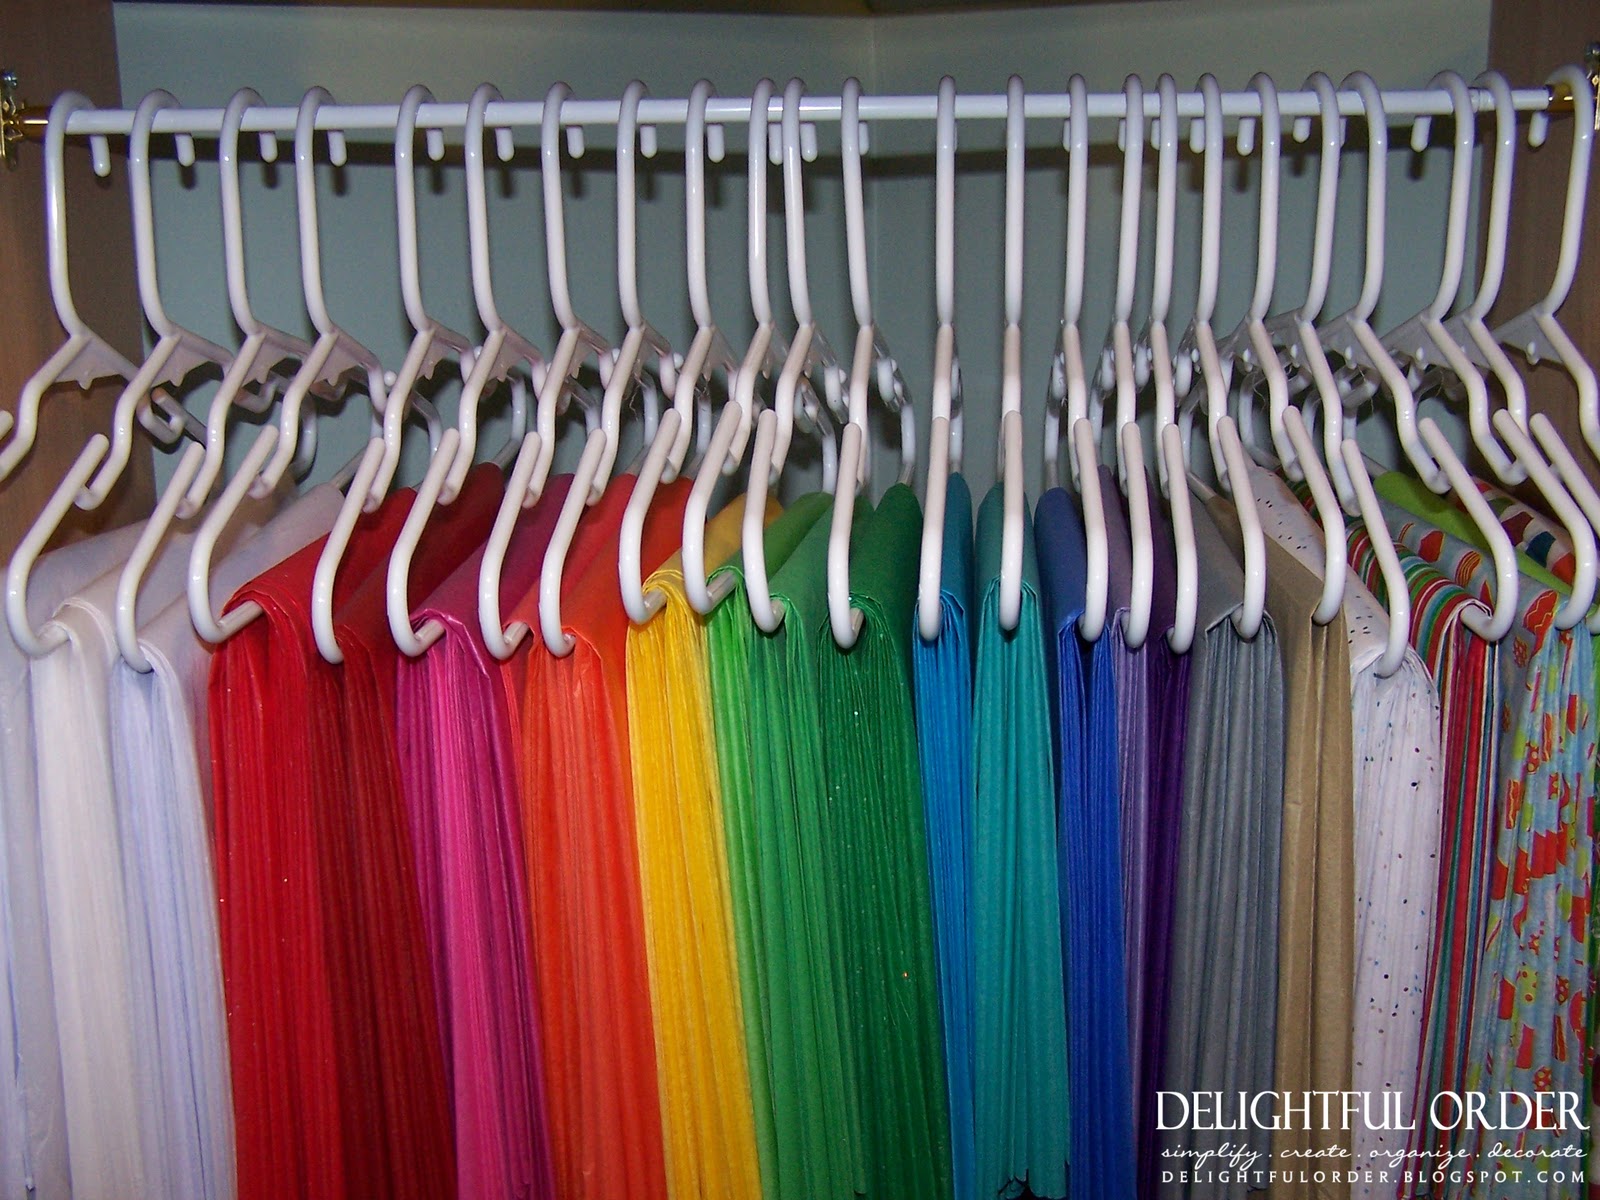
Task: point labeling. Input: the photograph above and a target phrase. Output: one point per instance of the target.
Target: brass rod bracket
(1591, 65)
(11, 106)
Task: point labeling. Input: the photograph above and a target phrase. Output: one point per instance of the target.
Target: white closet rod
(1400, 105)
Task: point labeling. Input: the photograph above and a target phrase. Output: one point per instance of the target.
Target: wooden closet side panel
(56, 46)
(1527, 40)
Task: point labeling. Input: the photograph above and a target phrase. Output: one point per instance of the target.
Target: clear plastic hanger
(1118, 371)
(101, 462)
(871, 362)
(944, 435)
(1172, 471)
(1199, 349)
(809, 355)
(85, 357)
(708, 354)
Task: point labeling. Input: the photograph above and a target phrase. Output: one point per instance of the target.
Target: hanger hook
(1271, 163)
(1377, 122)
(305, 178)
(694, 199)
(233, 116)
(945, 201)
(477, 200)
(144, 232)
(55, 180)
(1327, 194)
(555, 220)
(1583, 105)
(1505, 147)
(851, 138)
(794, 202)
(405, 196)
(1132, 187)
(1455, 238)
(760, 288)
(627, 202)
(1166, 197)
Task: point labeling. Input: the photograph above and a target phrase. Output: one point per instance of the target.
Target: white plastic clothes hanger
(505, 354)
(265, 350)
(437, 342)
(1536, 333)
(1423, 443)
(1370, 367)
(708, 354)
(1118, 371)
(600, 451)
(944, 435)
(871, 360)
(1418, 339)
(1250, 344)
(577, 345)
(809, 355)
(177, 353)
(1571, 498)
(1295, 331)
(337, 360)
(1554, 446)
(1422, 343)
(763, 357)
(1346, 468)
(432, 344)
(1069, 382)
(1173, 473)
(1199, 348)
(85, 356)
(1009, 452)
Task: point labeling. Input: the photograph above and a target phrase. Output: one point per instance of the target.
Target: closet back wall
(202, 53)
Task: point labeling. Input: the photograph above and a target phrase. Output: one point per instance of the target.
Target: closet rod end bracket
(19, 121)
(11, 106)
